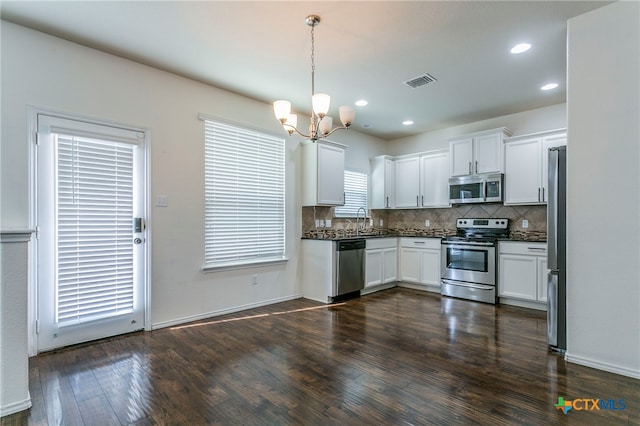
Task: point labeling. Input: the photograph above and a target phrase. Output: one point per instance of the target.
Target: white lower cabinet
(420, 261)
(381, 261)
(522, 274)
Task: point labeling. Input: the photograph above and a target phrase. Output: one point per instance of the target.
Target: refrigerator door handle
(552, 308)
(552, 211)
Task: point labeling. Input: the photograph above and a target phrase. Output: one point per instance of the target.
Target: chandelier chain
(313, 62)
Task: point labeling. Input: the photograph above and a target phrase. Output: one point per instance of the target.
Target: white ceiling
(363, 50)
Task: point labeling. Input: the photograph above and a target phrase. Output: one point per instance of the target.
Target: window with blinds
(355, 194)
(244, 196)
(94, 206)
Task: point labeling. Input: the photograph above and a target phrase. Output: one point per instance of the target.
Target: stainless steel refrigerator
(556, 252)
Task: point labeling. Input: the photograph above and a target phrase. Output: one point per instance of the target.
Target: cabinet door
(523, 172)
(434, 180)
(410, 264)
(487, 153)
(330, 184)
(430, 267)
(549, 142)
(373, 262)
(461, 157)
(382, 188)
(543, 273)
(389, 265)
(518, 277)
(407, 182)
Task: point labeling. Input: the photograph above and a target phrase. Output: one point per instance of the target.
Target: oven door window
(467, 259)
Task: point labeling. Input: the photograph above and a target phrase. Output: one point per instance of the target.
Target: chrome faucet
(364, 217)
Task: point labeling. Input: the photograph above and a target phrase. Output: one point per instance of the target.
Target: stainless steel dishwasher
(350, 267)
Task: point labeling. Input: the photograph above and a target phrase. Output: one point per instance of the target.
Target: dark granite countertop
(335, 235)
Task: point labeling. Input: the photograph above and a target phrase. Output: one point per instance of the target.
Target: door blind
(355, 194)
(244, 196)
(94, 206)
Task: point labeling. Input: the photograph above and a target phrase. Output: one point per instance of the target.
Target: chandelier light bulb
(326, 124)
(347, 115)
(291, 123)
(321, 102)
(282, 110)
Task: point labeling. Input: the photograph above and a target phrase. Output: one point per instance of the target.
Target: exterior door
(91, 255)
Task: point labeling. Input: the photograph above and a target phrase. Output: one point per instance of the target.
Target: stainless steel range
(469, 260)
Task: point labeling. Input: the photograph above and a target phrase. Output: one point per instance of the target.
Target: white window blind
(94, 206)
(355, 194)
(244, 196)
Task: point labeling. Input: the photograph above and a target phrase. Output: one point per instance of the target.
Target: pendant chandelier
(320, 123)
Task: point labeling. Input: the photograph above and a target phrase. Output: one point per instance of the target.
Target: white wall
(522, 123)
(603, 272)
(46, 72)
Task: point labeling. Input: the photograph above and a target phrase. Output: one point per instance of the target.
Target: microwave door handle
(484, 190)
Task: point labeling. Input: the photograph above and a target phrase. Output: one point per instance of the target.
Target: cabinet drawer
(430, 243)
(380, 243)
(524, 248)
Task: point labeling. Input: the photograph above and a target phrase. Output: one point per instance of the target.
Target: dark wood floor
(398, 357)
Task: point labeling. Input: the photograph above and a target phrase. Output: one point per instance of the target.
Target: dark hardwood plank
(395, 357)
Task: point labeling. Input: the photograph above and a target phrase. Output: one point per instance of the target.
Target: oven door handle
(466, 244)
(470, 285)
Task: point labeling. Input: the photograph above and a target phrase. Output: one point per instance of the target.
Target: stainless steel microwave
(486, 188)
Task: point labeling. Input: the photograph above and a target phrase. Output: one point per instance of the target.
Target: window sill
(243, 265)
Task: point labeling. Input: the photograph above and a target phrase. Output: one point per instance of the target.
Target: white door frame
(32, 128)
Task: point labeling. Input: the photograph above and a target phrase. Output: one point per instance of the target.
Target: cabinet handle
(476, 167)
(422, 200)
(387, 201)
(470, 167)
(419, 242)
(543, 194)
(537, 248)
(538, 194)
(417, 201)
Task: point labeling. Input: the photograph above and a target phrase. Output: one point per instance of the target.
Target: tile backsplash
(441, 220)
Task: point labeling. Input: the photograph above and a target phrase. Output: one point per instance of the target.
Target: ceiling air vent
(420, 81)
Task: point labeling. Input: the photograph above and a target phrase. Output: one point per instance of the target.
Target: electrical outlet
(254, 280)
(327, 223)
(317, 223)
(370, 222)
(427, 222)
(525, 223)
(381, 222)
(321, 223)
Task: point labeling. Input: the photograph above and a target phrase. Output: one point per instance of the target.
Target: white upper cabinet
(382, 183)
(478, 153)
(422, 180)
(407, 182)
(526, 166)
(323, 174)
(434, 179)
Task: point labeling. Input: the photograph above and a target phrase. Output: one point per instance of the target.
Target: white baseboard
(540, 306)
(422, 287)
(15, 407)
(373, 289)
(184, 320)
(611, 368)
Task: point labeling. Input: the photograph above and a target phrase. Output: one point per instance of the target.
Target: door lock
(137, 241)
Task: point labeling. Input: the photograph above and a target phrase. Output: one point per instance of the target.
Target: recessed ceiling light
(407, 123)
(361, 102)
(549, 86)
(519, 48)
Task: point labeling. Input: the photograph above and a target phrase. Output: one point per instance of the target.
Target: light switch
(427, 222)
(162, 201)
(525, 223)
(327, 223)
